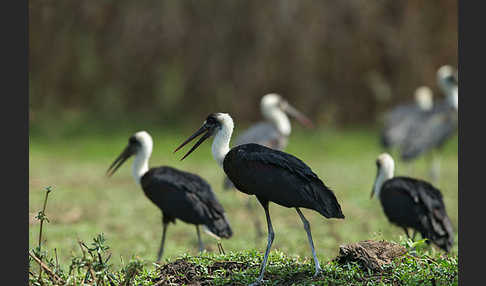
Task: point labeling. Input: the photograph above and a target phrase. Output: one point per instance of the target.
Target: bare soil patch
(370, 254)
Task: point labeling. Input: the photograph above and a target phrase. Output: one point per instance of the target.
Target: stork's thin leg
(201, 246)
(311, 243)
(435, 170)
(271, 236)
(256, 221)
(161, 249)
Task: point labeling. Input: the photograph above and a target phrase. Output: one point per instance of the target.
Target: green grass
(84, 202)
(416, 267)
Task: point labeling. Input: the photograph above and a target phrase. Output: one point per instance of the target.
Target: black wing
(279, 177)
(427, 212)
(185, 196)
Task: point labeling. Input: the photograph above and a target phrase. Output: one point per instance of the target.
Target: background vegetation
(343, 62)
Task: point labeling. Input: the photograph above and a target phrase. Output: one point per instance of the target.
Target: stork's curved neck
(384, 173)
(140, 163)
(279, 119)
(221, 141)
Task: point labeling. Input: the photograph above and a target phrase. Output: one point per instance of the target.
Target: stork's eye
(211, 120)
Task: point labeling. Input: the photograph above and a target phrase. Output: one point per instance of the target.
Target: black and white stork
(437, 125)
(404, 117)
(273, 133)
(178, 194)
(412, 203)
(275, 130)
(271, 175)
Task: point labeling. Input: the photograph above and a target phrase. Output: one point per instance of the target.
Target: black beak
(299, 116)
(127, 152)
(200, 131)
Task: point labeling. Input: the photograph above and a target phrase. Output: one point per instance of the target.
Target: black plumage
(185, 196)
(279, 177)
(178, 194)
(416, 204)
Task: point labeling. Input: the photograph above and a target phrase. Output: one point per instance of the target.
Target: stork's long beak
(374, 184)
(127, 152)
(200, 131)
(292, 111)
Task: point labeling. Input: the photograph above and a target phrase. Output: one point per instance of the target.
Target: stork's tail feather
(227, 184)
(327, 203)
(220, 227)
(443, 235)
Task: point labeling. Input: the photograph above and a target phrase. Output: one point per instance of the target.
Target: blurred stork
(437, 125)
(179, 195)
(404, 117)
(275, 130)
(412, 203)
(271, 175)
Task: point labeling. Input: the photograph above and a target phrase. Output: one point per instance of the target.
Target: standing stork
(412, 203)
(405, 117)
(272, 133)
(436, 126)
(179, 195)
(270, 175)
(275, 130)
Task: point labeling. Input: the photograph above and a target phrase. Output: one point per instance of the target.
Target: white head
(274, 108)
(448, 82)
(423, 98)
(221, 126)
(385, 168)
(140, 144)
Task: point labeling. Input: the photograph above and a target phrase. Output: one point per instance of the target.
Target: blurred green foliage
(342, 62)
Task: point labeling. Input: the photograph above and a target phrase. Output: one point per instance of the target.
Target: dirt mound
(183, 272)
(370, 254)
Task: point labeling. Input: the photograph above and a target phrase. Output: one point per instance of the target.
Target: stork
(436, 126)
(271, 175)
(275, 130)
(273, 133)
(404, 117)
(178, 194)
(412, 203)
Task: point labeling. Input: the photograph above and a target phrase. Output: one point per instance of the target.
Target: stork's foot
(258, 282)
(318, 272)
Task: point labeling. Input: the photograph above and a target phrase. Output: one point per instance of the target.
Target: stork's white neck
(140, 166)
(140, 163)
(384, 173)
(222, 138)
(279, 119)
(453, 97)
